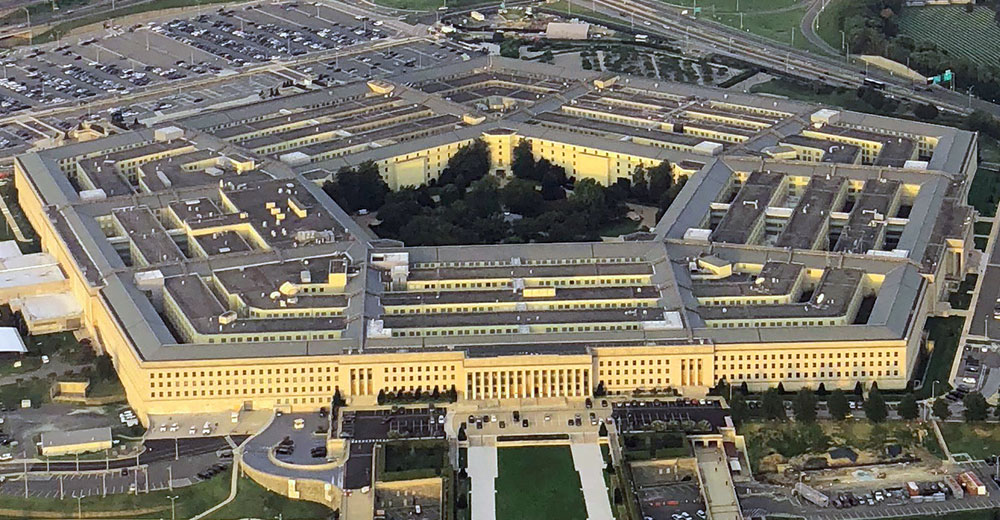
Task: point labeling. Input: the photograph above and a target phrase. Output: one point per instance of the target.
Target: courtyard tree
(738, 409)
(940, 409)
(805, 406)
(875, 408)
(976, 407)
(772, 406)
(837, 404)
(908, 408)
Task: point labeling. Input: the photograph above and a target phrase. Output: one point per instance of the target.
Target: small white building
(11, 343)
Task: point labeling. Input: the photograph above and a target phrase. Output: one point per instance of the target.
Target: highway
(156, 451)
(655, 18)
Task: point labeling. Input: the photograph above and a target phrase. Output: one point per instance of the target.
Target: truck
(973, 486)
(812, 495)
(912, 489)
(956, 489)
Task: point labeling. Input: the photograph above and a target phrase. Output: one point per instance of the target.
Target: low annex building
(77, 441)
(807, 247)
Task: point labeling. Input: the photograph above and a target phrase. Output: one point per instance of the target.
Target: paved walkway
(716, 484)
(483, 473)
(589, 464)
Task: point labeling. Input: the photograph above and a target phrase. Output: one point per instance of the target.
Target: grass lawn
(538, 482)
(945, 332)
(729, 6)
(989, 148)
(840, 97)
(253, 501)
(579, 9)
(773, 26)
(985, 192)
(971, 35)
(980, 440)
(663, 445)
(403, 460)
(426, 5)
(192, 500)
(622, 227)
(961, 298)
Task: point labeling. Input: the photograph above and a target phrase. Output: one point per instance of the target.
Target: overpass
(715, 481)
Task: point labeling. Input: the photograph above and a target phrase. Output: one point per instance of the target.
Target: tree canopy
(837, 404)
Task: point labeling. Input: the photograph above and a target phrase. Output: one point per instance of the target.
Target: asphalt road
(156, 451)
(653, 17)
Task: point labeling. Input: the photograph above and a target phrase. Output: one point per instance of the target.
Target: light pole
(79, 504)
(173, 512)
(933, 388)
(28, 14)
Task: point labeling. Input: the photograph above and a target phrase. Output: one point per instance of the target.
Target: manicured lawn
(972, 35)
(402, 460)
(538, 482)
(985, 192)
(945, 332)
(773, 26)
(663, 445)
(845, 98)
(727, 6)
(961, 298)
(192, 500)
(980, 440)
(426, 5)
(253, 501)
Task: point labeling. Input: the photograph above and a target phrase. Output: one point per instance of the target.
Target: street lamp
(79, 505)
(28, 14)
(173, 512)
(934, 388)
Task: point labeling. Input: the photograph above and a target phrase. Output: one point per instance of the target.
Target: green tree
(721, 388)
(772, 406)
(875, 408)
(837, 404)
(908, 408)
(738, 409)
(358, 188)
(104, 368)
(523, 164)
(588, 196)
(661, 178)
(926, 111)
(805, 406)
(976, 407)
(520, 196)
(940, 409)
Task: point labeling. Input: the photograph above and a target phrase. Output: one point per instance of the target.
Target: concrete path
(589, 464)
(483, 473)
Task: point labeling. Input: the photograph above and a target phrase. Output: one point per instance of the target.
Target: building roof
(60, 438)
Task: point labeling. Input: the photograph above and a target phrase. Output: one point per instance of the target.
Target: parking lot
(637, 415)
(863, 502)
(210, 43)
(672, 501)
(366, 428)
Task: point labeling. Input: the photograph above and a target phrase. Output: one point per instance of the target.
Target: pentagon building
(808, 245)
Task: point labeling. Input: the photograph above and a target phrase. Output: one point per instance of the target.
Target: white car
(6, 456)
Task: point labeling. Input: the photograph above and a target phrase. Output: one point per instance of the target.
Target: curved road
(811, 21)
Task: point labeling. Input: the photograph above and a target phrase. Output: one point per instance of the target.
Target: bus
(874, 83)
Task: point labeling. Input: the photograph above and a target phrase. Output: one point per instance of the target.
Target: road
(653, 17)
(809, 24)
(156, 451)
